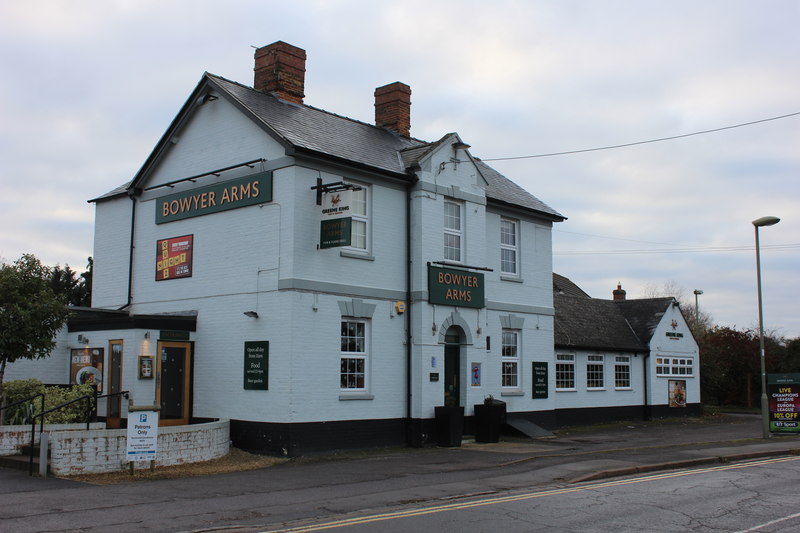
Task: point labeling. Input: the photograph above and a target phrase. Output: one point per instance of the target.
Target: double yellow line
(517, 497)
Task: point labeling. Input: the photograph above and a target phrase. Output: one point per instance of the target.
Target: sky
(89, 86)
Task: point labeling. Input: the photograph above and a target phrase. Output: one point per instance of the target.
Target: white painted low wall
(98, 451)
(12, 438)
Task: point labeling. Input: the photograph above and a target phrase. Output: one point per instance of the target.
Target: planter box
(489, 420)
(449, 425)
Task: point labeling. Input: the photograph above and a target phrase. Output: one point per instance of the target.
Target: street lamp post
(758, 223)
(697, 292)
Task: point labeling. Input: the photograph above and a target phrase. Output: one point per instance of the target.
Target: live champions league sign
(783, 392)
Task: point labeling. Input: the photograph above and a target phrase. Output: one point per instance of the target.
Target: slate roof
(590, 323)
(582, 322)
(645, 314)
(306, 129)
(563, 285)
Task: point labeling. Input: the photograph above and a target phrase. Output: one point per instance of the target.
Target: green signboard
(173, 335)
(256, 365)
(783, 392)
(539, 380)
(448, 286)
(232, 194)
(335, 232)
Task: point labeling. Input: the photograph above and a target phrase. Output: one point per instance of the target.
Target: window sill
(623, 388)
(514, 279)
(357, 255)
(345, 396)
(595, 389)
(566, 390)
(512, 393)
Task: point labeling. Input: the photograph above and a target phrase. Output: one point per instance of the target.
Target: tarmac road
(324, 487)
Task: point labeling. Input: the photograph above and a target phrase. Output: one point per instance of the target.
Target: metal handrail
(89, 412)
(87, 397)
(4, 407)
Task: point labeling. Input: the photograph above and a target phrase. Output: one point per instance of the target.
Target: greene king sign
(447, 286)
(250, 190)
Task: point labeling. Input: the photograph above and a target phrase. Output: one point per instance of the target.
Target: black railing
(28, 399)
(91, 403)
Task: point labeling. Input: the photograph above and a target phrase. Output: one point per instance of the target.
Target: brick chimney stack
(393, 107)
(280, 68)
(619, 293)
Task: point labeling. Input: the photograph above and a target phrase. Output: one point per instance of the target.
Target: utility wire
(645, 142)
(715, 249)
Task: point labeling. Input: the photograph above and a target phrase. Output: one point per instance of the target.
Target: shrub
(73, 413)
(18, 390)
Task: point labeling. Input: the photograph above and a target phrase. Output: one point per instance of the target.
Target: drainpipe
(647, 414)
(410, 437)
(132, 195)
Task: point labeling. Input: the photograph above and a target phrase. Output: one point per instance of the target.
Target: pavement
(379, 478)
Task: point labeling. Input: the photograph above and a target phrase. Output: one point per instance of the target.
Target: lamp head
(765, 221)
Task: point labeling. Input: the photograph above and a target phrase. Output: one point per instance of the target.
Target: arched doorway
(453, 338)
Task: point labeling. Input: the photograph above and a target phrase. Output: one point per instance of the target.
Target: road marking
(770, 523)
(528, 496)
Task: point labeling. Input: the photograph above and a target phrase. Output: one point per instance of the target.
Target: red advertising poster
(174, 258)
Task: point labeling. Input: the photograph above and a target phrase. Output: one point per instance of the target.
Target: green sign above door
(448, 286)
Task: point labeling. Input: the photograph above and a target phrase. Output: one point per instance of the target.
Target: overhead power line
(711, 249)
(647, 141)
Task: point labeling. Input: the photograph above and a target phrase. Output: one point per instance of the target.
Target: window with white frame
(622, 372)
(595, 369)
(565, 371)
(453, 231)
(359, 209)
(354, 355)
(510, 351)
(674, 366)
(509, 247)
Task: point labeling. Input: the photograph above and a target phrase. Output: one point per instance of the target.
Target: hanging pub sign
(336, 224)
(447, 286)
(232, 194)
(783, 391)
(174, 258)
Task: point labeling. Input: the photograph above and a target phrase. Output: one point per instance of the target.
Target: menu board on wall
(174, 258)
(86, 366)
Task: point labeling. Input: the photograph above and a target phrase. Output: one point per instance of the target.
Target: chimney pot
(280, 68)
(393, 107)
(619, 293)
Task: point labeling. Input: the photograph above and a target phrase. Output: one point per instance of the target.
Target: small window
(565, 371)
(510, 359)
(359, 209)
(353, 372)
(509, 248)
(622, 372)
(595, 369)
(453, 231)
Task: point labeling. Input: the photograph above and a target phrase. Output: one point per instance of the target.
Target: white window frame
(509, 247)
(510, 355)
(595, 372)
(452, 232)
(359, 218)
(622, 372)
(670, 366)
(565, 362)
(350, 352)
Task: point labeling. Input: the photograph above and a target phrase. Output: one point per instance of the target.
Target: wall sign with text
(447, 286)
(336, 223)
(232, 194)
(256, 365)
(174, 258)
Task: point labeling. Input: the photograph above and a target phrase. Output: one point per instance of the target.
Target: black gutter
(410, 438)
